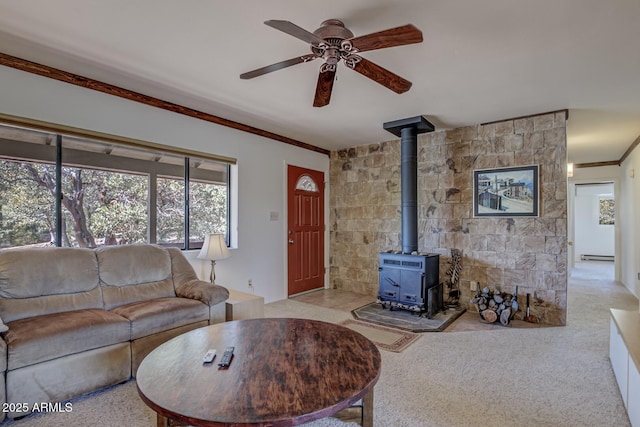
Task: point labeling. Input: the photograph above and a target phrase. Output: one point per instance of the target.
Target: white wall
(260, 254)
(596, 175)
(591, 238)
(630, 215)
(627, 191)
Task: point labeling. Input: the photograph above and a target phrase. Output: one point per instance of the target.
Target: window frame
(55, 153)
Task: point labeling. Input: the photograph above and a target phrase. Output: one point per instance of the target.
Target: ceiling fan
(334, 42)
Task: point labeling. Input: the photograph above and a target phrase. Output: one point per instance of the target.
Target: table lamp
(214, 248)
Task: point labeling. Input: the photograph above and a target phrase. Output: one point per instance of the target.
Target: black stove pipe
(409, 188)
(408, 130)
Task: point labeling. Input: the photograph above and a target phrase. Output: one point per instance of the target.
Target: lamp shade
(214, 248)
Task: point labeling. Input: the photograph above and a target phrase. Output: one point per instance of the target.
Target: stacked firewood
(494, 306)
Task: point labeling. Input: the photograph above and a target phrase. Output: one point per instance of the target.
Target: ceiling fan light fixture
(333, 42)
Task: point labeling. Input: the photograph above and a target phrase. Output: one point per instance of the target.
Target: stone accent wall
(502, 253)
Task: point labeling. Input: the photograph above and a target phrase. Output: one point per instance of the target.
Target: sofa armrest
(206, 292)
(187, 284)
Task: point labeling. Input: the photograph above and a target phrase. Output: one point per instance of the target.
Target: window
(102, 207)
(27, 211)
(110, 192)
(207, 209)
(170, 211)
(607, 211)
(306, 183)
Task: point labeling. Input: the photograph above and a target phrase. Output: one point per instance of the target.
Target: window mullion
(152, 208)
(186, 203)
(228, 215)
(58, 206)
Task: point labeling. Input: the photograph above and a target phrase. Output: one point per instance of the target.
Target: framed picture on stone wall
(506, 191)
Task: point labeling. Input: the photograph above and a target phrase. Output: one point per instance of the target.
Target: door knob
(290, 241)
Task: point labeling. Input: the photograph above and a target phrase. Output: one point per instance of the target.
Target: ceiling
(480, 61)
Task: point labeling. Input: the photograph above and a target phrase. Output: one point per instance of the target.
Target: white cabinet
(634, 394)
(624, 353)
(619, 357)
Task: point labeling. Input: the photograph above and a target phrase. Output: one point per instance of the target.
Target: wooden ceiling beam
(77, 80)
(85, 82)
(626, 154)
(596, 164)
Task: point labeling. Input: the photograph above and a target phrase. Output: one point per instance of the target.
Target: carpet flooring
(117, 406)
(383, 337)
(557, 376)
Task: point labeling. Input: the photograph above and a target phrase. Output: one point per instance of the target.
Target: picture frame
(506, 192)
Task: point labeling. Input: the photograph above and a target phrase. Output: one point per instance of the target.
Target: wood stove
(408, 280)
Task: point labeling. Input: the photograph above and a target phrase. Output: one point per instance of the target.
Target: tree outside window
(27, 209)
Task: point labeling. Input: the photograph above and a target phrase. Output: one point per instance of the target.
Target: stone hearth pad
(406, 320)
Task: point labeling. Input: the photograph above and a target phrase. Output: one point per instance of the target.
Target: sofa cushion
(36, 281)
(133, 273)
(40, 338)
(161, 314)
(62, 379)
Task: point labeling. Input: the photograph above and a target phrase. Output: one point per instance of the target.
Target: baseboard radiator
(596, 258)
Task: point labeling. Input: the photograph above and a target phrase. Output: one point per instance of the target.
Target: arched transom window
(306, 183)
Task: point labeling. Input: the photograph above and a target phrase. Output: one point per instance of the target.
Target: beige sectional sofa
(81, 319)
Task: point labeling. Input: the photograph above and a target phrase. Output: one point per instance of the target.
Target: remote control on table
(225, 360)
(209, 356)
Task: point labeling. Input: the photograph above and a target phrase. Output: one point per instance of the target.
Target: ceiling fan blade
(324, 86)
(380, 75)
(277, 66)
(407, 34)
(295, 31)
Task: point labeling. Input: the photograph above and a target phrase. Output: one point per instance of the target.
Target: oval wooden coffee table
(284, 372)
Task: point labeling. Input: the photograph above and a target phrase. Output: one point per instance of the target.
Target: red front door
(305, 201)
